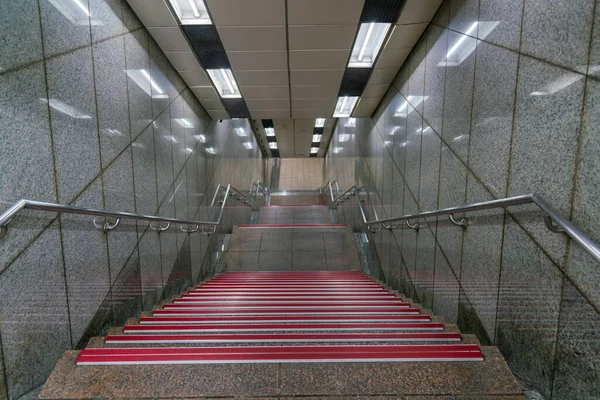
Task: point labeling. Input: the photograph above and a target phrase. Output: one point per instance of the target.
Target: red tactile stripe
(292, 226)
(283, 327)
(285, 337)
(314, 318)
(326, 311)
(283, 307)
(292, 303)
(194, 355)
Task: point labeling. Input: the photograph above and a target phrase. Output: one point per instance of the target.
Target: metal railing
(162, 223)
(553, 219)
(256, 188)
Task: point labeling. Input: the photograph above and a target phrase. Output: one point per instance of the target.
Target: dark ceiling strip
(209, 50)
(268, 123)
(382, 11)
(354, 81)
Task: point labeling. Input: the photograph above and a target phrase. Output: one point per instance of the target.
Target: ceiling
(288, 58)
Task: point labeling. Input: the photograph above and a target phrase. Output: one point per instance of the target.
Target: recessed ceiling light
(188, 150)
(368, 44)
(317, 138)
(200, 138)
(270, 131)
(344, 106)
(314, 150)
(248, 145)
(273, 145)
(225, 83)
(336, 150)
(344, 137)
(191, 12)
(320, 122)
(211, 150)
(351, 122)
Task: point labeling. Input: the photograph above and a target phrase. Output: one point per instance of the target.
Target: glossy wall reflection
(497, 99)
(92, 114)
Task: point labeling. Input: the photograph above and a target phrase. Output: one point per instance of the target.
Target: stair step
(284, 327)
(323, 311)
(283, 319)
(279, 354)
(281, 338)
(284, 307)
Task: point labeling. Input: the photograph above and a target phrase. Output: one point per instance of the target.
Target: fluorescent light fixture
(270, 131)
(466, 45)
(200, 138)
(172, 139)
(184, 122)
(314, 150)
(345, 106)
(320, 122)
(368, 44)
(75, 11)
(65, 109)
(273, 145)
(191, 12)
(211, 150)
(344, 137)
(404, 110)
(387, 143)
(351, 122)
(336, 150)
(317, 138)
(142, 78)
(248, 145)
(188, 150)
(241, 132)
(423, 131)
(225, 83)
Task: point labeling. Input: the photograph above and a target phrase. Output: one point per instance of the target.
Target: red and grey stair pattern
(284, 317)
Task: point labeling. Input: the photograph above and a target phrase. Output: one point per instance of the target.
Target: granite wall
(81, 123)
(498, 98)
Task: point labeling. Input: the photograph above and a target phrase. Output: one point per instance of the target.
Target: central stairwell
(291, 316)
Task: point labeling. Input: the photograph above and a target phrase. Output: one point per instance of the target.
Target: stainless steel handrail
(553, 219)
(191, 225)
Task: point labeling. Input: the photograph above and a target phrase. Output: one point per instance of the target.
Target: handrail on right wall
(553, 219)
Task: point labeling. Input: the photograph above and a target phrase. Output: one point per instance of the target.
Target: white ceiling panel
(311, 104)
(319, 59)
(257, 60)
(170, 39)
(205, 93)
(375, 90)
(153, 12)
(270, 114)
(315, 92)
(324, 12)
(268, 104)
(317, 76)
(311, 113)
(212, 104)
(265, 92)
(195, 77)
(247, 13)
(218, 114)
(261, 78)
(383, 76)
(252, 38)
(405, 36)
(419, 11)
(325, 37)
(392, 58)
(183, 60)
(365, 107)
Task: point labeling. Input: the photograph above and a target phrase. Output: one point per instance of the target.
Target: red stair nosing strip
(271, 296)
(283, 327)
(288, 303)
(234, 354)
(191, 312)
(299, 226)
(287, 337)
(282, 307)
(282, 319)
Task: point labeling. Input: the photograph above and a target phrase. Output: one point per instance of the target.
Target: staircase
(286, 334)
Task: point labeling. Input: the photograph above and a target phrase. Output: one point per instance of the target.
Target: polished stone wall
(81, 124)
(498, 98)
